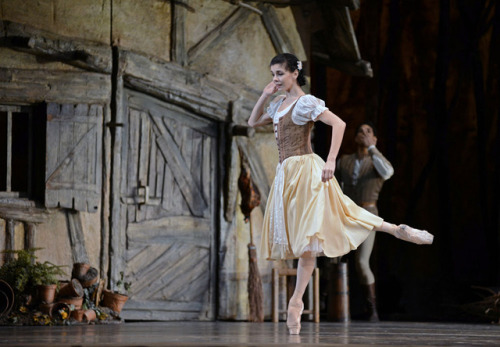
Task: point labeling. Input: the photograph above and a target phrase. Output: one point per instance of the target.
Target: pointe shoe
(419, 237)
(294, 324)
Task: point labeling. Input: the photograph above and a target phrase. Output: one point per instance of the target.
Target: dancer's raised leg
(305, 269)
(406, 233)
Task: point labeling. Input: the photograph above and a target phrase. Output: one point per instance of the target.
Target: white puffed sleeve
(273, 106)
(308, 108)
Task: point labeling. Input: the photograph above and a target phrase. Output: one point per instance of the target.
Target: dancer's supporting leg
(305, 269)
(406, 233)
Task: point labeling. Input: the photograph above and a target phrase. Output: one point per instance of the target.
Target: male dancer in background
(362, 175)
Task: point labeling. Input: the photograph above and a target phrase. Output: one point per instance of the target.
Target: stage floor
(253, 334)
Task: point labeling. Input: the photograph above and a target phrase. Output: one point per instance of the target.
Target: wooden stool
(314, 310)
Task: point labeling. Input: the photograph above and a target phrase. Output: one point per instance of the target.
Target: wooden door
(73, 156)
(169, 177)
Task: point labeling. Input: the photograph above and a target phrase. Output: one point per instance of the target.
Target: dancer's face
(282, 78)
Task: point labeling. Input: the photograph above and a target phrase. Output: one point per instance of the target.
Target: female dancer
(307, 214)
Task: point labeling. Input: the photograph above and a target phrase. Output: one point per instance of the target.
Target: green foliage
(24, 273)
(46, 273)
(122, 286)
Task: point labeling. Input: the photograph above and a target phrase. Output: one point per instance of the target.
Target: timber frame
(95, 87)
(100, 81)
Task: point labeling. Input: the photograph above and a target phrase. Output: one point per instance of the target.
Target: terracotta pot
(46, 308)
(55, 312)
(89, 316)
(77, 302)
(7, 299)
(61, 285)
(72, 289)
(4, 302)
(114, 301)
(89, 278)
(77, 315)
(79, 270)
(46, 293)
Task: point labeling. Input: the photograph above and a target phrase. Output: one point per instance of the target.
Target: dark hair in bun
(291, 64)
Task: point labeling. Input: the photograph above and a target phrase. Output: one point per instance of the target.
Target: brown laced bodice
(292, 139)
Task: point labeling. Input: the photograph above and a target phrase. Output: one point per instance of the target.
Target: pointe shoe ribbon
(294, 324)
(419, 237)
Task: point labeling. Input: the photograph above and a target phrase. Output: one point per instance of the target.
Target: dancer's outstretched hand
(328, 171)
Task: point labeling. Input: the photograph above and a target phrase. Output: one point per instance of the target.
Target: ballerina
(307, 214)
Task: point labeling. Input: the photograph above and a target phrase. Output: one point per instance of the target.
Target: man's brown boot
(371, 302)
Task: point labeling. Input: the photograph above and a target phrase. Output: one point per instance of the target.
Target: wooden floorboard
(254, 334)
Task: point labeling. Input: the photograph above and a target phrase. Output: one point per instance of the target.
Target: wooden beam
(218, 34)
(106, 194)
(10, 209)
(83, 54)
(178, 39)
(117, 224)
(170, 82)
(76, 237)
(355, 68)
(31, 86)
(279, 38)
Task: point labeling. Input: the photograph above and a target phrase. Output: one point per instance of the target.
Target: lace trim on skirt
(278, 215)
(315, 246)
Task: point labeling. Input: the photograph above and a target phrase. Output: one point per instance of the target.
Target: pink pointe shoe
(419, 237)
(293, 318)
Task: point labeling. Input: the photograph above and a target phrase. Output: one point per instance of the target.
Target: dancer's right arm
(259, 117)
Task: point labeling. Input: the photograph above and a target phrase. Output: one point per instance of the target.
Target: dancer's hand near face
(365, 136)
(368, 140)
(270, 89)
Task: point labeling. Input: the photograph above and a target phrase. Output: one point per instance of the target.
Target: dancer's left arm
(338, 128)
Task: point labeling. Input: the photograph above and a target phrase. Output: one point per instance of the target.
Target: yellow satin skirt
(312, 215)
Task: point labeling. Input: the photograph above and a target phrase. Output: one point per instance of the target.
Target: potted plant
(45, 277)
(116, 299)
(24, 274)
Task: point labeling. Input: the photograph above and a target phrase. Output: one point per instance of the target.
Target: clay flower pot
(89, 278)
(89, 316)
(77, 302)
(60, 311)
(114, 301)
(72, 289)
(46, 293)
(79, 270)
(77, 315)
(7, 299)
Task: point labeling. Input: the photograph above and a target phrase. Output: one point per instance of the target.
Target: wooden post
(316, 295)
(117, 235)
(106, 206)
(10, 226)
(276, 289)
(338, 301)
(76, 237)
(9, 152)
(29, 236)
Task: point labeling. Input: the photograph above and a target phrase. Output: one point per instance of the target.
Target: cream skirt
(305, 214)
